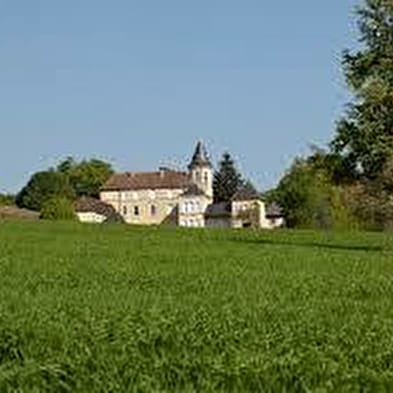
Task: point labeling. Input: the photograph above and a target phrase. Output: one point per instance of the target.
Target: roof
(274, 210)
(200, 157)
(147, 180)
(222, 209)
(246, 193)
(88, 205)
(193, 190)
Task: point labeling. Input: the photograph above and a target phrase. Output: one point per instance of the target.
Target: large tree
(43, 186)
(87, 176)
(227, 179)
(68, 180)
(365, 135)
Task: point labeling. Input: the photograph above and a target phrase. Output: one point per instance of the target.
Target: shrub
(58, 208)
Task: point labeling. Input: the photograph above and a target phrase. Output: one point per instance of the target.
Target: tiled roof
(222, 209)
(147, 180)
(87, 205)
(246, 194)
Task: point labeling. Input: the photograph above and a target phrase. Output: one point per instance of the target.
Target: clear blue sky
(137, 82)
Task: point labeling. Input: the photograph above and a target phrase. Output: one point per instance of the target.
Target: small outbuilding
(92, 210)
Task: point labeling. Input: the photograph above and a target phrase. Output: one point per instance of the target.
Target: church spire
(200, 157)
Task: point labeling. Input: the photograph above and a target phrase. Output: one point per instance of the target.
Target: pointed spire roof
(200, 157)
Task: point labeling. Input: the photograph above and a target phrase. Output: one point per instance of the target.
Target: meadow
(122, 309)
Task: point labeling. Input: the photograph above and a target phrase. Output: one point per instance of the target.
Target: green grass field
(121, 309)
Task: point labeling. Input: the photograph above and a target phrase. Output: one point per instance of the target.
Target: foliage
(7, 199)
(120, 309)
(227, 180)
(86, 176)
(364, 137)
(310, 199)
(69, 180)
(58, 208)
(352, 186)
(371, 204)
(43, 186)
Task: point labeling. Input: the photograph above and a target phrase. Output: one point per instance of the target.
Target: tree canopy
(365, 134)
(352, 184)
(70, 179)
(87, 176)
(43, 186)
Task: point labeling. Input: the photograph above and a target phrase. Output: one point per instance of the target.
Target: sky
(139, 82)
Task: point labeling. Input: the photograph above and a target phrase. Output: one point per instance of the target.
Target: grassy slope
(113, 309)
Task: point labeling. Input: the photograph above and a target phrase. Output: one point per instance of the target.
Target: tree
(310, 199)
(365, 135)
(227, 180)
(43, 186)
(86, 177)
(57, 208)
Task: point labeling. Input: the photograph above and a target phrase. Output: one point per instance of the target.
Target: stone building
(180, 198)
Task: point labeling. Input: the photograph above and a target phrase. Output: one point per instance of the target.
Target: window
(124, 210)
(206, 177)
(136, 210)
(153, 210)
(197, 206)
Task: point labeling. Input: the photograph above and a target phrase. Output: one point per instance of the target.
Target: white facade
(191, 212)
(90, 217)
(180, 198)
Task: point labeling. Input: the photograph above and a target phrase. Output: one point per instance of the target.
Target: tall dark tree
(365, 135)
(43, 186)
(227, 180)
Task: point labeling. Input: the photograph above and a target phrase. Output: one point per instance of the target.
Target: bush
(58, 208)
(7, 199)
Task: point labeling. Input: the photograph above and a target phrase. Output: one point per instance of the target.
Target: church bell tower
(201, 170)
